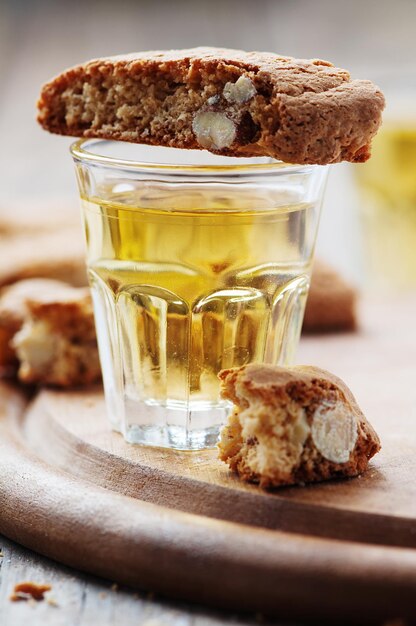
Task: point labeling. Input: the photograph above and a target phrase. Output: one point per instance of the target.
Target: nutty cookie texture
(229, 102)
(47, 333)
(332, 302)
(13, 310)
(293, 425)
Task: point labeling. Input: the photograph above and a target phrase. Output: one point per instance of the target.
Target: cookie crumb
(27, 591)
(114, 587)
(52, 602)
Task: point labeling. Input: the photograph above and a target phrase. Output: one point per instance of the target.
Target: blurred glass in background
(387, 190)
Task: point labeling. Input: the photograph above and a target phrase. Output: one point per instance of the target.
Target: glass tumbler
(196, 263)
(387, 190)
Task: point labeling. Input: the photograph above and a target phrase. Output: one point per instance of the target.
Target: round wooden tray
(180, 524)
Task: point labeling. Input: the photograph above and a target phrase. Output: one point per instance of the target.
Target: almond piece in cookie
(56, 344)
(293, 425)
(227, 101)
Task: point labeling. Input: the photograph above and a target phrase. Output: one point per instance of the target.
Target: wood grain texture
(179, 524)
(82, 600)
(380, 507)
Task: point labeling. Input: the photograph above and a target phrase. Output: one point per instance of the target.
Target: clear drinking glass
(193, 268)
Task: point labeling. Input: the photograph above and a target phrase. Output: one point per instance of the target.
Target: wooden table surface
(80, 600)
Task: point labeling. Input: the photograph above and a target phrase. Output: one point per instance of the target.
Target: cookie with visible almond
(229, 102)
(293, 426)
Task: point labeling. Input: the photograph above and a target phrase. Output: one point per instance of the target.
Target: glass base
(173, 437)
(195, 427)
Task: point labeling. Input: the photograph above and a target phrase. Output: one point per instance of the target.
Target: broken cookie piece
(48, 333)
(14, 310)
(293, 425)
(58, 254)
(332, 302)
(230, 102)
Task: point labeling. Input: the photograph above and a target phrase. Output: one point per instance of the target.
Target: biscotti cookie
(14, 310)
(293, 425)
(58, 254)
(53, 330)
(332, 302)
(23, 218)
(227, 101)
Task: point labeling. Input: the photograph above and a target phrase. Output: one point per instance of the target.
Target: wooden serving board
(180, 524)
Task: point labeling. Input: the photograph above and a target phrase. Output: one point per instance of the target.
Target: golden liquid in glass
(183, 289)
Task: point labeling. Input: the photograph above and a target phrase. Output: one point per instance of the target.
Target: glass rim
(79, 151)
